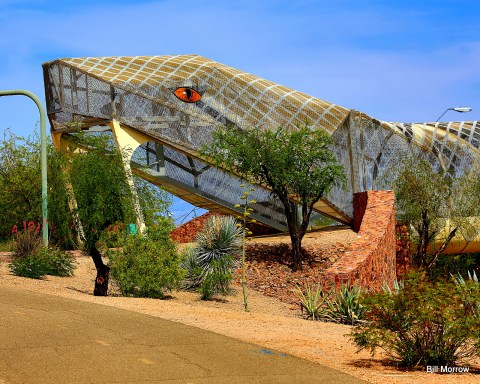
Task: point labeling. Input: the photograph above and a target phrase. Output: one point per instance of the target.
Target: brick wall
(370, 261)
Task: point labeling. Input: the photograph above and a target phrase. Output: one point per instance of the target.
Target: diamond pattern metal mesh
(138, 92)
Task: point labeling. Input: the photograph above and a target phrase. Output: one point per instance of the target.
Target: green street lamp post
(43, 151)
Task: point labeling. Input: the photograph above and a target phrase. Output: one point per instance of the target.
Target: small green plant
(340, 306)
(32, 267)
(217, 282)
(312, 302)
(344, 305)
(193, 272)
(6, 245)
(207, 267)
(423, 322)
(219, 239)
(247, 211)
(145, 267)
(32, 259)
(45, 261)
(27, 243)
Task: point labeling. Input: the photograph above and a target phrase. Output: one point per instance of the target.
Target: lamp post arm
(448, 109)
(43, 153)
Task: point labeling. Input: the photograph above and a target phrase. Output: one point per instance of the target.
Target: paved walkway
(46, 339)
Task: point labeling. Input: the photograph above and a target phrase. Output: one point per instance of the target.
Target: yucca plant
(193, 271)
(219, 239)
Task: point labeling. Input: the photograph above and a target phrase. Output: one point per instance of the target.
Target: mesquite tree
(436, 206)
(297, 165)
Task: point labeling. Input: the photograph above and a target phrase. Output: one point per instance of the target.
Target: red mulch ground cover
(269, 270)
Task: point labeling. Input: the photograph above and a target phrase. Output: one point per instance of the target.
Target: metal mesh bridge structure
(137, 99)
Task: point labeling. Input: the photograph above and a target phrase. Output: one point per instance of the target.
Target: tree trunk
(297, 252)
(451, 235)
(103, 273)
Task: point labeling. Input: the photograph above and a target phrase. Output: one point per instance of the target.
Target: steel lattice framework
(138, 93)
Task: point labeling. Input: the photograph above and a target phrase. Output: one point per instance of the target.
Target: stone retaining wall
(186, 233)
(370, 261)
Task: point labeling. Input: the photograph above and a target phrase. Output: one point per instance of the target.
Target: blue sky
(394, 60)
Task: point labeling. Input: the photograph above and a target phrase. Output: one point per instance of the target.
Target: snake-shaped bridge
(165, 107)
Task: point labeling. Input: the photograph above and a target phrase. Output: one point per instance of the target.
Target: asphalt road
(47, 339)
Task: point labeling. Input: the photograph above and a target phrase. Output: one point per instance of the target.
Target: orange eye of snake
(187, 94)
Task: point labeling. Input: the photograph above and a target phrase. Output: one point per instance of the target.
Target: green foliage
(102, 193)
(32, 267)
(447, 265)
(100, 188)
(435, 205)
(27, 243)
(113, 236)
(208, 265)
(295, 162)
(60, 263)
(422, 322)
(43, 261)
(218, 241)
(145, 267)
(6, 245)
(218, 280)
(319, 220)
(313, 302)
(193, 272)
(344, 306)
(20, 183)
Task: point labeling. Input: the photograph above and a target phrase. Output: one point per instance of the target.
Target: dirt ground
(271, 323)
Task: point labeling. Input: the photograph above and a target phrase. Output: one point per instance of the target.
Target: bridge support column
(127, 141)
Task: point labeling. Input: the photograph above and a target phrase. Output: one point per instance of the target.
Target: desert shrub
(112, 236)
(145, 267)
(45, 261)
(27, 243)
(6, 245)
(447, 265)
(29, 266)
(423, 322)
(59, 263)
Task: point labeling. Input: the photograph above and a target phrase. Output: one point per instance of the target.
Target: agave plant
(459, 279)
(312, 302)
(220, 240)
(344, 305)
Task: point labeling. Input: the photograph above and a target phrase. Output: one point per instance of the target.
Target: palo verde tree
(103, 197)
(297, 165)
(20, 183)
(435, 205)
